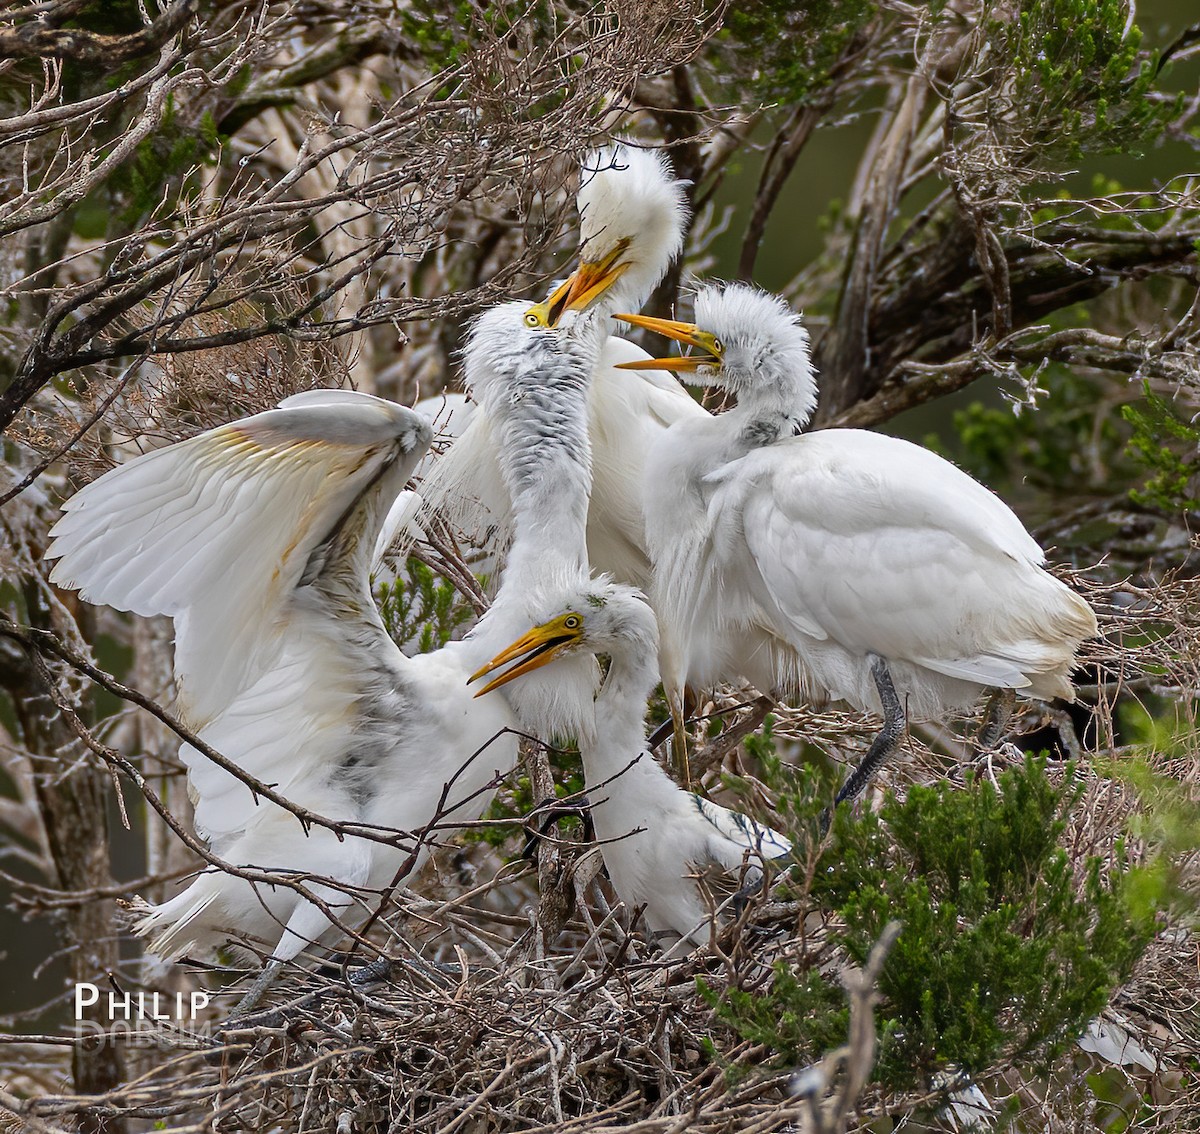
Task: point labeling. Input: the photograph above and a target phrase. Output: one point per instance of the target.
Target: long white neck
(771, 405)
(545, 458)
(619, 739)
(540, 424)
(536, 400)
(762, 417)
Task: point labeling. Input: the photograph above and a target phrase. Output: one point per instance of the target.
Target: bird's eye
(572, 622)
(718, 346)
(531, 320)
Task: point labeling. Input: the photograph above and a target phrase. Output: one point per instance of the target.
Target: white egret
(665, 848)
(257, 539)
(632, 215)
(841, 564)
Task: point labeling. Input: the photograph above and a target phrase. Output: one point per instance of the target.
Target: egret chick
(632, 217)
(665, 848)
(841, 564)
(257, 538)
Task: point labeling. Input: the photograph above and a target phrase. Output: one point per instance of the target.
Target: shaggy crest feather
(630, 195)
(766, 351)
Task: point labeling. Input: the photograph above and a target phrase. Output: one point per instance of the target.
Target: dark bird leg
(995, 717)
(883, 745)
(664, 730)
(382, 968)
(886, 742)
(256, 992)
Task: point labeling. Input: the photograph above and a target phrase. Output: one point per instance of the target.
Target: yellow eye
(718, 346)
(531, 320)
(572, 622)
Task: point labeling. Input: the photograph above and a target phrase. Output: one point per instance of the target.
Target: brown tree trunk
(72, 794)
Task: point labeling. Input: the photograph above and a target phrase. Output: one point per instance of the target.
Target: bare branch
(36, 38)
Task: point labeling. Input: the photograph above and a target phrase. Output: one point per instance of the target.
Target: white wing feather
(217, 530)
(736, 834)
(861, 543)
(257, 538)
(292, 729)
(656, 837)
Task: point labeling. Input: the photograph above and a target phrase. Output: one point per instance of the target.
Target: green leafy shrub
(172, 151)
(1065, 446)
(787, 50)
(1168, 447)
(422, 608)
(1079, 75)
(1005, 951)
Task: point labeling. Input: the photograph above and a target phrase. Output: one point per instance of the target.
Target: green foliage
(109, 17)
(422, 609)
(1069, 443)
(515, 802)
(438, 30)
(1079, 79)
(1167, 820)
(804, 1014)
(760, 746)
(444, 33)
(172, 151)
(787, 50)
(1005, 950)
(1158, 435)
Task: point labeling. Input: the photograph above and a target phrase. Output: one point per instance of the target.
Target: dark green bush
(422, 608)
(1006, 950)
(1165, 445)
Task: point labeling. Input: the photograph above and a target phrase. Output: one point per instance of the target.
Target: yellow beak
(538, 648)
(583, 286)
(687, 333)
(594, 277)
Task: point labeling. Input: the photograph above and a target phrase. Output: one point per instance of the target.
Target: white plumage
(660, 844)
(632, 214)
(257, 538)
(217, 531)
(803, 562)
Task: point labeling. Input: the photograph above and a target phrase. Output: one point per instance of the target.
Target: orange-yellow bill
(594, 277)
(531, 651)
(583, 286)
(686, 333)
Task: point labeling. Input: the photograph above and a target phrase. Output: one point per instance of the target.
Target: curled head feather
(764, 342)
(630, 196)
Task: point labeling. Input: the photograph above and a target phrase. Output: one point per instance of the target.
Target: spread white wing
(219, 530)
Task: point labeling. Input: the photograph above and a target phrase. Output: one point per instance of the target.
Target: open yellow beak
(686, 333)
(594, 277)
(583, 286)
(532, 651)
